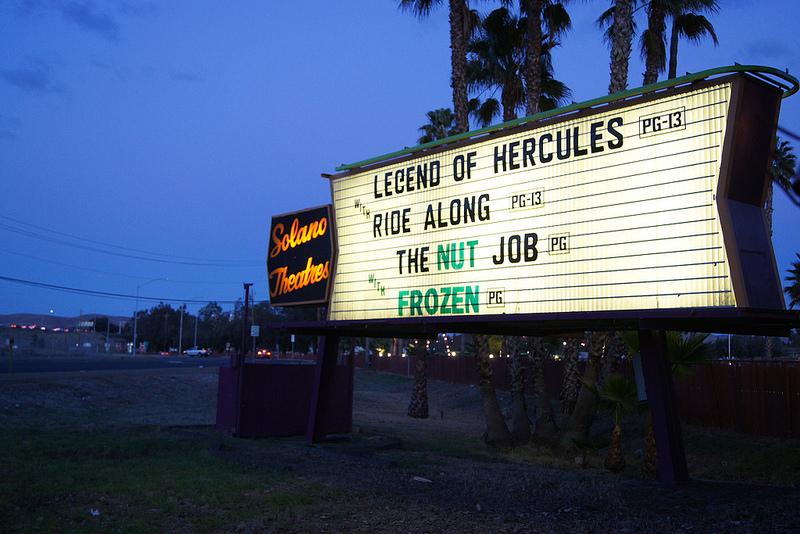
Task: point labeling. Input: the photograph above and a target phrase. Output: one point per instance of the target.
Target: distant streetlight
(136, 311)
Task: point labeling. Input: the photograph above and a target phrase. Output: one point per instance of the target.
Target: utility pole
(196, 320)
(246, 311)
(254, 319)
(239, 362)
(108, 333)
(180, 333)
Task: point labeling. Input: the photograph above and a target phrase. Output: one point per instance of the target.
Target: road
(102, 362)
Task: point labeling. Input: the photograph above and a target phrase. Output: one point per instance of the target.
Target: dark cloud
(769, 48)
(8, 127)
(116, 72)
(35, 76)
(88, 17)
(137, 9)
(9, 122)
(189, 77)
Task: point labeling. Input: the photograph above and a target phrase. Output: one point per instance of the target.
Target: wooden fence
(759, 397)
(751, 396)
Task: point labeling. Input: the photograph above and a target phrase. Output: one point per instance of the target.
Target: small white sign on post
(255, 330)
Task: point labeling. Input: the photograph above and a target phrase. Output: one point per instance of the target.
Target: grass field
(136, 452)
(137, 479)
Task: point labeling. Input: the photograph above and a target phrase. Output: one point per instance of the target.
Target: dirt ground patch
(394, 474)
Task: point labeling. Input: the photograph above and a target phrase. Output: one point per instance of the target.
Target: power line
(35, 235)
(109, 273)
(164, 258)
(788, 133)
(108, 294)
(113, 245)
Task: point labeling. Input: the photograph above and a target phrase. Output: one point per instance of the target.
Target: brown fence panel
(792, 386)
(754, 397)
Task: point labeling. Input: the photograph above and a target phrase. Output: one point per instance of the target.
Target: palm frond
(694, 27)
(793, 289)
(485, 113)
(441, 123)
(653, 42)
(619, 390)
(631, 339)
(556, 19)
(685, 350)
(784, 163)
(419, 8)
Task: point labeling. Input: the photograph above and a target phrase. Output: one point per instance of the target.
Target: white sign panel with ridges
(612, 211)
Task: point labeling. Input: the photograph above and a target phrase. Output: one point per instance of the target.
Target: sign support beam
(322, 392)
(672, 469)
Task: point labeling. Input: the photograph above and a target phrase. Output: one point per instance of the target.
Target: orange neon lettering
(297, 235)
(286, 283)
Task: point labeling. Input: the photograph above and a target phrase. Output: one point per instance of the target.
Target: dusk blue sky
(180, 127)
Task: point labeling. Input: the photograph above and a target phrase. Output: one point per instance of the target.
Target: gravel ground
(404, 475)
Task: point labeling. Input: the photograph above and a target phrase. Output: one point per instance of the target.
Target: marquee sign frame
(753, 104)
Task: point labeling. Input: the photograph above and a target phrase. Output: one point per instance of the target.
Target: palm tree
(497, 60)
(462, 20)
(620, 36)
(618, 394)
(570, 384)
(688, 22)
(418, 406)
(684, 350)
(782, 167)
(577, 428)
(793, 289)
(441, 123)
(781, 171)
(653, 47)
(516, 348)
(544, 20)
(545, 429)
(497, 56)
(497, 433)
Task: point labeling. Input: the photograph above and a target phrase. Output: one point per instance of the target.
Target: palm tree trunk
(570, 384)
(622, 40)
(418, 407)
(509, 109)
(768, 208)
(497, 434)
(615, 461)
(520, 423)
(656, 26)
(614, 348)
(458, 62)
(650, 460)
(546, 429)
(673, 50)
(580, 422)
(533, 55)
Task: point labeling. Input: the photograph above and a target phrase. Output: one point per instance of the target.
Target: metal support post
(672, 469)
(322, 390)
(239, 361)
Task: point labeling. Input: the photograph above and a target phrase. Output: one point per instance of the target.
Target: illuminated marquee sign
(300, 257)
(649, 204)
